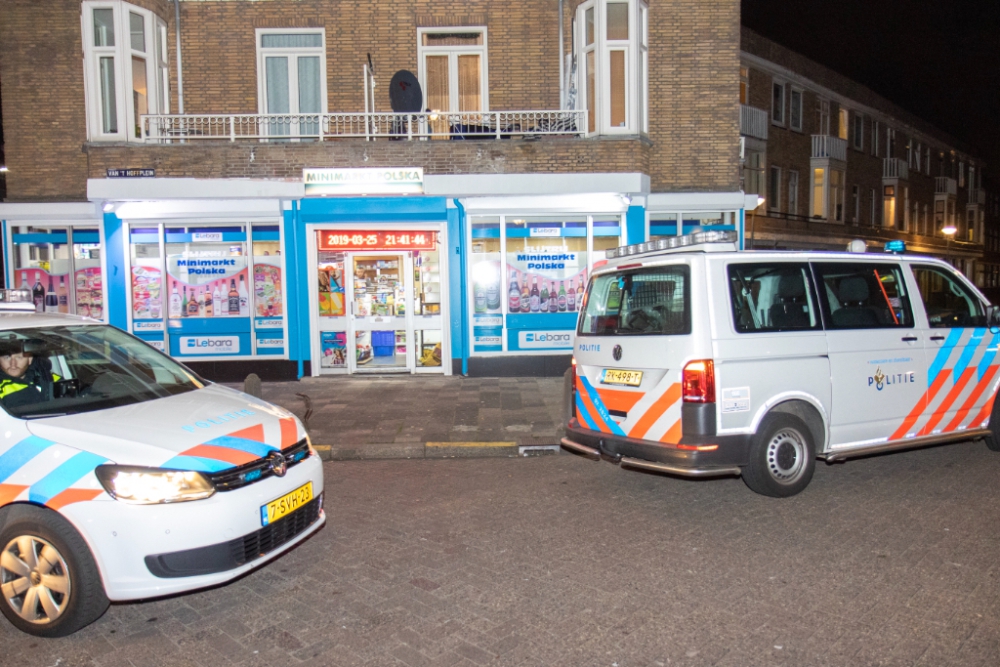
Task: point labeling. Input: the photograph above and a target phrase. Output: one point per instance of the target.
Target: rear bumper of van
(683, 459)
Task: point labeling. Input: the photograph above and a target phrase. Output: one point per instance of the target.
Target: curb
(433, 450)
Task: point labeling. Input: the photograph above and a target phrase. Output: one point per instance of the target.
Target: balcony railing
(894, 167)
(753, 122)
(977, 196)
(824, 146)
(945, 186)
(171, 128)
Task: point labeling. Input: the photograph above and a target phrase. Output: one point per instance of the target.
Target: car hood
(209, 429)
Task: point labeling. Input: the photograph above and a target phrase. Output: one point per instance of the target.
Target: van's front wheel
(782, 457)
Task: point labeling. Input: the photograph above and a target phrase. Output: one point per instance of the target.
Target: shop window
(125, 55)
(827, 194)
(291, 65)
(842, 124)
(889, 206)
(614, 53)
(453, 74)
(61, 267)
(753, 173)
(823, 117)
(774, 189)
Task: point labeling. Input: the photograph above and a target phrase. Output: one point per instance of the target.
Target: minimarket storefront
(358, 274)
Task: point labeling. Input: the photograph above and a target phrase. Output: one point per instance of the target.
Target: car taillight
(699, 381)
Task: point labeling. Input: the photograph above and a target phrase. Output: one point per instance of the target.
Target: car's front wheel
(49, 582)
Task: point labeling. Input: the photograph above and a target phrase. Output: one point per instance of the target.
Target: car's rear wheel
(49, 582)
(782, 457)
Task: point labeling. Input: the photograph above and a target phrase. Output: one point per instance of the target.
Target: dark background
(938, 60)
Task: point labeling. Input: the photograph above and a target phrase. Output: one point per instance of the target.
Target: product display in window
(207, 281)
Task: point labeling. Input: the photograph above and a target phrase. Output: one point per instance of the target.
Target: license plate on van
(627, 378)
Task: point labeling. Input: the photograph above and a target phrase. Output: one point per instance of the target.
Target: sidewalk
(424, 416)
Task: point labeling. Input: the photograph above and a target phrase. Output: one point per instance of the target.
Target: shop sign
(156, 325)
(131, 173)
(545, 232)
(545, 340)
(270, 342)
(266, 323)
(207, 237)
(194, 345)
(369, 240)
(157, 344)
(386, 181)
(488, 320)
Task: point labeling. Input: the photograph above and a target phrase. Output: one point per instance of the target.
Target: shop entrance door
(379, 315)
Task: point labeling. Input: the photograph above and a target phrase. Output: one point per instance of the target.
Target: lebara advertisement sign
(202, 345)
(545, 340)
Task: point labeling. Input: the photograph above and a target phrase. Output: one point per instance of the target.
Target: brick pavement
(562, 562)
(395, 417)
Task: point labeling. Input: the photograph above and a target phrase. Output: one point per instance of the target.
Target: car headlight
(150, 486)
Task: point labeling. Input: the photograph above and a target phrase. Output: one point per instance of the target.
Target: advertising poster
(333, 349)
(90, 292)
(267, 287)
(331, 284)
(545, 282)
(207, 286)
(147, 292)
(51, 291)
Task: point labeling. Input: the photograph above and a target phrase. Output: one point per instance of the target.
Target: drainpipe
(562, 74)
(463, 294)
(180, 76)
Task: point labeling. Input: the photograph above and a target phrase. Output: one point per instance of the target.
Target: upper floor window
(778, 103)
(452, 68)
(744, 85)
(795, 109)
(125, 56)
(842, 122)
(876, 128)
(291, 63)
(823, 117)
(613, 48)
(859, 131)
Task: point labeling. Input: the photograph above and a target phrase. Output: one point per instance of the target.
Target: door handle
(937, 337)
(910, 339)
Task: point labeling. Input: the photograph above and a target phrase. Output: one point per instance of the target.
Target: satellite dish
(404, 93)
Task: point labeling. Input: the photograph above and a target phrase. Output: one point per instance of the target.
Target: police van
(123, 475)
(694, 359)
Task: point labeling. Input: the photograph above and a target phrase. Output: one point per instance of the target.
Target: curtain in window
(277, 98)
(617, 82)
(591, 94)
(469, 89)
(818, 201)
(309, 93)
(437, 94)
(140, 94)
(292, 41)
(109, 101)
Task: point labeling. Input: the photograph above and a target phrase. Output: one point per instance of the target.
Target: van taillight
(699, 381)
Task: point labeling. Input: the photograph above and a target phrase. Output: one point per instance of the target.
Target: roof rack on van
(16, 300)
(674, 243)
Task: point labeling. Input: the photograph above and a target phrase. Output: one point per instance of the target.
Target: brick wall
(285, 161)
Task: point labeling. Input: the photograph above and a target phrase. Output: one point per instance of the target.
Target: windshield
(648, 301)
(51, 371)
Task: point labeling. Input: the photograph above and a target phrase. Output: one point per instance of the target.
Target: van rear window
(652, 301)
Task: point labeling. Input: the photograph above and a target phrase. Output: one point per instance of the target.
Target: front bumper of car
(148, 551)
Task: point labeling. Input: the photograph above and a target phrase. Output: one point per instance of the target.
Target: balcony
(945, 186)
(753, 122)
(894, 167)
(480, 125)
(826, 147)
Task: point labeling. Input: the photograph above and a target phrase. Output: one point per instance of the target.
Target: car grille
(235, 478)
(269, 538)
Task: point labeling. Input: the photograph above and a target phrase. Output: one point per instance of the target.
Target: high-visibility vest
(8, 387)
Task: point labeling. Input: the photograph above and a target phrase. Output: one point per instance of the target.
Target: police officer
(24, 378)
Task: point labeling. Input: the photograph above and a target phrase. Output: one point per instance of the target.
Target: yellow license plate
(627, 378)
(286, 504)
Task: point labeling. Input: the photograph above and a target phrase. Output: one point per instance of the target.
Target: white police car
(125, 476)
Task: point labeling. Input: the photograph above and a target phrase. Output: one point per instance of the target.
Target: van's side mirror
(993, 318)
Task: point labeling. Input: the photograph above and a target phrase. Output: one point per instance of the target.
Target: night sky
(940, 60)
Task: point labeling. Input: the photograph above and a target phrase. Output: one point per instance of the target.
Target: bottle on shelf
(479, 297)
(561, 299)
(525, 297)
(51, 300)
(38, 295)
(535, 298)
(493, 292)
(174, 308)
(217, 306)
(184, 303)
(514, 297)
(233, 299)
(543, 301)
(63, 295)
(244, 298)
(193, 309)
(571, 298)
(209, 305)
(553, 298)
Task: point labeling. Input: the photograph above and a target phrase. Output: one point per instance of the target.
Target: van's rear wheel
(49, 583)
(782, 457)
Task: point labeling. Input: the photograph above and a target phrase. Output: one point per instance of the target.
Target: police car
(694, 359)
(125, 476)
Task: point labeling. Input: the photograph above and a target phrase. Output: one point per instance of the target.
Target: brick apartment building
(835, 162)
(228, 179)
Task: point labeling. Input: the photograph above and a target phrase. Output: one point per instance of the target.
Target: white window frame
(795, 90)
(293, 80)
(157, 78)
(793, 192)
(453, 52)
(823, 113)
(774, 182)
(876, 128)
(779, 119)
(636, 49)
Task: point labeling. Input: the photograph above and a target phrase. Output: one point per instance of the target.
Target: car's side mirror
(993, 318)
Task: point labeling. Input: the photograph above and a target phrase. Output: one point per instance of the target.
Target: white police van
(694, 359)
(125, 476)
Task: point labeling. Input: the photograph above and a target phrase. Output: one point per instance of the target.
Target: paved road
(560, 561)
